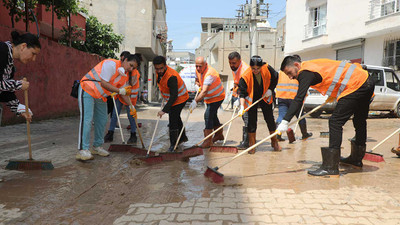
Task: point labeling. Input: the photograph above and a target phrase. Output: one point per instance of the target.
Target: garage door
(354, 54)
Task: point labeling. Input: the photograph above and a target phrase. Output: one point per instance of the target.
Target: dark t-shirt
(306, 79)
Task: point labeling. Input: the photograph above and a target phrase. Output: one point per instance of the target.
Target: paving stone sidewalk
(273, 206)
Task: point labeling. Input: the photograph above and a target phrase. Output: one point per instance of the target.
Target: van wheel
(316, 114)
(397, 111)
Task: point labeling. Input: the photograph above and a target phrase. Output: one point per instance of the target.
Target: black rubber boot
(184, 138)
(356, 156)
(303, 128)
(109, 136)
(280, 138)
(133, 138)
(245, 142)
(330, 163)
(173, 137)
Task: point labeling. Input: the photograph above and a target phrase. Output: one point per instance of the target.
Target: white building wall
(348, 22)
(373, 50)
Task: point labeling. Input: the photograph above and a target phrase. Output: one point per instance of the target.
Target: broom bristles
(373, 157)
(153, 159)
(214, 175)
(229, 149)
(29, 165)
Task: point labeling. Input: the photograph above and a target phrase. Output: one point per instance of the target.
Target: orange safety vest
(286, 88)
(339, 78)
(183, 94)
(135, 88)
(248, 78)
(237, 75)
(216, 91)
(94, 88)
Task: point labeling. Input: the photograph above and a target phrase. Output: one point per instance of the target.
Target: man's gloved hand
(192, 106)
(283, 126)
(128, 90)
(122, 91)
(241, 110)
(236, 104)
(21, 109)
(268, 93)
(133, 111)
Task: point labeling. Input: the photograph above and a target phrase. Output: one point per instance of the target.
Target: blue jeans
(91, 109)
(210, 116)
(113, 121)
(283, 106)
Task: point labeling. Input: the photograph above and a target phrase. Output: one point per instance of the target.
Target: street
(266, 188)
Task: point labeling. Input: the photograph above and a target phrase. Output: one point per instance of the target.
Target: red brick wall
(51, 77)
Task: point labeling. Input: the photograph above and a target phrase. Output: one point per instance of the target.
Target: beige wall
(221, 45)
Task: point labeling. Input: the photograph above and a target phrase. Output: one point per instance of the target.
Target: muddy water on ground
(101, 190)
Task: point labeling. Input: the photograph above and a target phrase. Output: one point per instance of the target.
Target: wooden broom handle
(28, 124)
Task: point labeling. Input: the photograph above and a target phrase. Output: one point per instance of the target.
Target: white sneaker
(99, 151)
(84, 155)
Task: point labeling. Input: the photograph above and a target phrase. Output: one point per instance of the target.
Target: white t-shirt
(108, 70)
(209, 80)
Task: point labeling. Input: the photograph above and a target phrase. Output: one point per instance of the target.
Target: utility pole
(253, 28)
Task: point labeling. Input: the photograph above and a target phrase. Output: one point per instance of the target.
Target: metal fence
(313, 31)
(379, 8)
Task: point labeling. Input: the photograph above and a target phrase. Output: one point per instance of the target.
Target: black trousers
(268, 117)
(175, 121)
(357, 104)
(210, 116)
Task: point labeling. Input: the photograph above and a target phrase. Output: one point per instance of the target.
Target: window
(379, 8)
(377, 76)
(392, 53)
(392, 81)
(317, 22)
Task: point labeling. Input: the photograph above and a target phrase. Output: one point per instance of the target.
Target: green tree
(61, 8)
(17, 9)
(100, 38)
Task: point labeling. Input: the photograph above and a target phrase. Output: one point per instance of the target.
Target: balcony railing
(313, 31)
(380, 8)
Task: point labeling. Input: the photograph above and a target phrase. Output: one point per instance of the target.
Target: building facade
(364, 31)
(222, 36)
(143, 24)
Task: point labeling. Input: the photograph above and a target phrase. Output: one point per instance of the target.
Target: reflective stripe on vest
(216, 95)
(97, 84)
(346, 78)
(336, 78)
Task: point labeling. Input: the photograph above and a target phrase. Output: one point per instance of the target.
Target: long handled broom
(218, 177)
(148, 158)
(124, 147)
(222, 126)
(224, 148)
(29, 164)
(184, 123)
(375, 157)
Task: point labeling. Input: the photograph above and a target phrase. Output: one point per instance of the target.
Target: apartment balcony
(311, 31)
(384, 17)
(382, 8)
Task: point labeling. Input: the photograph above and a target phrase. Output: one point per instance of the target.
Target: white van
(387, 93)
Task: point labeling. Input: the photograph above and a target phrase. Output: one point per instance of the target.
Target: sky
(183, 18)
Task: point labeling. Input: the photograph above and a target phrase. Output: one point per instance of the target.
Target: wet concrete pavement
(266, 188)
